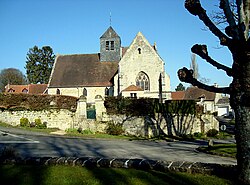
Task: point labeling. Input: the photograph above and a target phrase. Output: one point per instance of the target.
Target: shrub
(39, 124)
(212, 132)
(114, 129)
(87, 131)
(24, 122)
(198, 134)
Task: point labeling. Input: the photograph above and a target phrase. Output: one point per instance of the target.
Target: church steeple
(110, 45)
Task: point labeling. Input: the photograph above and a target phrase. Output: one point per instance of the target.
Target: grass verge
(226, 150)
(44, 130)
(42, 175)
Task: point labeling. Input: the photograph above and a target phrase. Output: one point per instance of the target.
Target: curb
(142, 164)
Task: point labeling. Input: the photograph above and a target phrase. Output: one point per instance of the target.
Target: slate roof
(82, 70)
(109, 33)
(195, 93)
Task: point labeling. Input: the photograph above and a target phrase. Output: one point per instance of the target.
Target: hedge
(149, 106)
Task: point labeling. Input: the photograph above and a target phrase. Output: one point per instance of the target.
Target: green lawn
(42, 175)
(228, 150)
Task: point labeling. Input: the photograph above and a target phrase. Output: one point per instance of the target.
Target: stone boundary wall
(141, 126)
(142, 164)
(55, 118)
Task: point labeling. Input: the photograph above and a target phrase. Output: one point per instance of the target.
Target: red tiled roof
(178, 95)
(31, 88)
(133, 88)
(195, 93)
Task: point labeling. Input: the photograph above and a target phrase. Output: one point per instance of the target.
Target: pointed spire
(110, 19)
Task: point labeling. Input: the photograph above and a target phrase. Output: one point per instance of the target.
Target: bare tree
(236, 39)
(11, 76)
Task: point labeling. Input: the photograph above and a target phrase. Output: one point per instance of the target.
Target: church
(134, 71)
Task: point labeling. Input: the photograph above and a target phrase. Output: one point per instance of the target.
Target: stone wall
(170, 125)
(55, 118)
(145, 126)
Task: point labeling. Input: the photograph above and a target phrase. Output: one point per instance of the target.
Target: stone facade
(142, 59)
(139, 64)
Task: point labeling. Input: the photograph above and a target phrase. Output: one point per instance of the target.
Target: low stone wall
(168, 124)
(55, 118)
(142, 164)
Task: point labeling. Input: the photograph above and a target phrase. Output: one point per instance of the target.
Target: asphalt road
(43, 145)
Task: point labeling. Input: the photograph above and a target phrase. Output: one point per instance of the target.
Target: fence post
(81, 107)
(99, 106)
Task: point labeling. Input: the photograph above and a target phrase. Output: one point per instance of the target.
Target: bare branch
(225, 6)
(195, 8)
(201, 50)
(186, 75)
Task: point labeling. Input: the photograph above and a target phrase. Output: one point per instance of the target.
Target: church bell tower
(110, 46)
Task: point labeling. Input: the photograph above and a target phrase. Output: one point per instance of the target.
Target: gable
(141, 46)
(82, 70)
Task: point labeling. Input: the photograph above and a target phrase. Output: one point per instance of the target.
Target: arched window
(85, 93)
(139, 50)
(58, 91)
(142, 81)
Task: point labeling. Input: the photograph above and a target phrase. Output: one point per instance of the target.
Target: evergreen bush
(24, 122)
(114, 129)
(212, 132)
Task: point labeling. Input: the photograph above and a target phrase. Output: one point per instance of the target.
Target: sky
(75, 27)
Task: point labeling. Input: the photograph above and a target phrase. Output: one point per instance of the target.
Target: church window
(142, 81)
(106, 91)
(107, 45)
(85, 93)
(133, 95)
(58, 91)
(112, 45)
(139, 50)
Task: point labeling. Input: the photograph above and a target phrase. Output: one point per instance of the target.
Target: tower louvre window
(107, 45)
(112, 45)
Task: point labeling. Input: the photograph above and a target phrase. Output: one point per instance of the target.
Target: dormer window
(25, 90)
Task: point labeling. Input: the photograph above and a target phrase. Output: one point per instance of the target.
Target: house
(28, 89)
(212, 102)
(132, 71)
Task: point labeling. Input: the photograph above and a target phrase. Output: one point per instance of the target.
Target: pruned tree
(39, 64)
(236, 39)
(11, 76)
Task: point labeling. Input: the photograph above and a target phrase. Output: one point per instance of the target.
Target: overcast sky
(75, 26)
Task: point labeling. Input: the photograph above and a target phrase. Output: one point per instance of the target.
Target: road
(44, 145)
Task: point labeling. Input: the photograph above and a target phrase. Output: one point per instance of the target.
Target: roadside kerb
(142, 164)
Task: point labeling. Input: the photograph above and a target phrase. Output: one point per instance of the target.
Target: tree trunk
(242, 119)
(240, 102)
